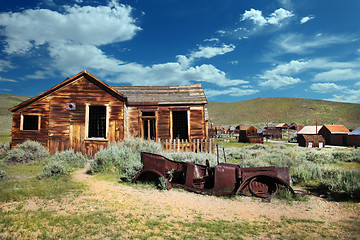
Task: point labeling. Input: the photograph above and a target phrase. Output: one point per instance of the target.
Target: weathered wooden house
(282, 126)
(308, 137)
(354, 138)
(335, 134)
(249, 134)
(272, 132)
(311, 141)
(85, 114)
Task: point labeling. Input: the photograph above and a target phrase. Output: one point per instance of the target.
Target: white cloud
(326, 87)
(286, 74)
(297, 43)
(254, 15)
(80, 25)
(209, 52)
(275, 18)
(338, 75)
(234, 92)
(212, 40)
(5, 65)
(279, 15)
(351, 96)
(278, 76)
(204, 52)
(357, 84)
(172, 73)
(6, 80)
(306, 19)
(277, 81)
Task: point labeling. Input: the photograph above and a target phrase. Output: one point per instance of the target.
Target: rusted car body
(223, 179)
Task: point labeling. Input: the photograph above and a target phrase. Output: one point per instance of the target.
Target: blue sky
(237, 50)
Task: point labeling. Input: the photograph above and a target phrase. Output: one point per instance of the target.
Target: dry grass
(109, 210)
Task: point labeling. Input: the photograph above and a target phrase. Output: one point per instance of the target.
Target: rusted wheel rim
(263, 187)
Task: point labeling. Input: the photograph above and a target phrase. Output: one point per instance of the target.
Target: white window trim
(87, 105)
(30, 114)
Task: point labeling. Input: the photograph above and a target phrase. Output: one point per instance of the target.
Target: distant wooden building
(311, 141)
(335, 134)
(85, 114)
(272, 132)
(308, 137)
(282, 126)
(249, 134)
(354, 138)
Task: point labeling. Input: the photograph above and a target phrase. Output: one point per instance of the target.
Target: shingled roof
(306, 130)
(337, 129)
(163, 95)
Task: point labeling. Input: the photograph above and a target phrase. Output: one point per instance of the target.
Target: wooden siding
(19, 136)
(63, 129)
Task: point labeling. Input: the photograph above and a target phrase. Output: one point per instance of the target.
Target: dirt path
(183, 204)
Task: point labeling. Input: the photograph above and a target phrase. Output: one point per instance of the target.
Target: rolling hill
(288, 110)
(8, 101)
(254, 111)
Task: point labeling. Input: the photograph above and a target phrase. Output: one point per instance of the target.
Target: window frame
(188, 122)
(30, 114)
(87, 112)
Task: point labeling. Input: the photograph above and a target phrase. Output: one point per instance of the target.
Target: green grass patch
(110, 224)
(22, 183)
(5, 137)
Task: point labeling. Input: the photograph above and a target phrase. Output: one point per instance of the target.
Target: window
(180, 124)
(30, 122)
(97, 121)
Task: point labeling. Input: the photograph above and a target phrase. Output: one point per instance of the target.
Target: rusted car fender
(156, 175)
(267, 180)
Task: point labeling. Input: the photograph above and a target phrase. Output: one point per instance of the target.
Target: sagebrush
(28, 152)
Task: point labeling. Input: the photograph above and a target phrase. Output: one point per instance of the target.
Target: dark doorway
(180, 124)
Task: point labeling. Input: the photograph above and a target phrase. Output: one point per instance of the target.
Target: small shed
(311, 141)
(335, 134)
(354, 138)
(249, 134)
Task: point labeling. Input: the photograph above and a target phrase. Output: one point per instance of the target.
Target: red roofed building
(335, 134)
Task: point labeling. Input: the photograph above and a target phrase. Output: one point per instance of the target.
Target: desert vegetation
(39, 197)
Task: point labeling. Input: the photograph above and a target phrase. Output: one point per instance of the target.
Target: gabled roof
(280, 125)
(163, 95)
(337, 129)
(246, 127)
(308, 130)
(355, 132)
(84, 73)
(314, 138)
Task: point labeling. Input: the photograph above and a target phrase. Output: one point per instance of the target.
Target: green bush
(76, 160)
(54, 169)
(342, 181)
(3, 175)
(347, 155)
(123, 158)
(62, 163)
(198, 158)
(4, 148)
(27, 152)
